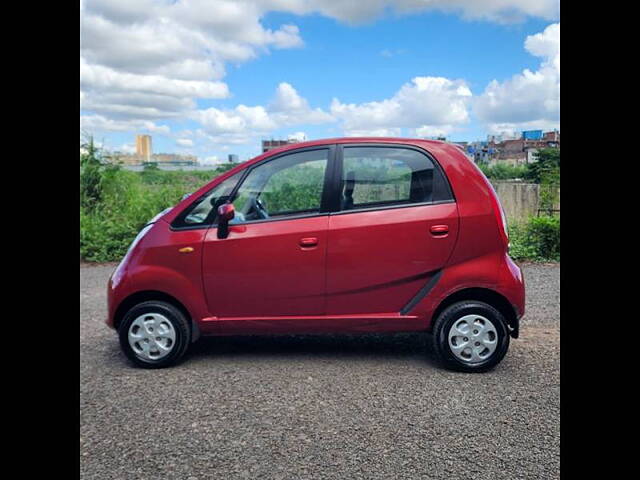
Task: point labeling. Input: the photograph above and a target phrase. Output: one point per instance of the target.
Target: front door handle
(439, 230)
(308, 242)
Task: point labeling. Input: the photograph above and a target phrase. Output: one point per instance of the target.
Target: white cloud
(502, 11)
(431, 131)
(133, 95)
(104, 78)
(144, 59)
(298, 136)
(238, 120)
(98, 123)
(127, 148)
(184, 142)
(286, 109)
(289, 108)
(373, 132)
(424, 103)
(144, 62)
(529, 99)
(184, 134)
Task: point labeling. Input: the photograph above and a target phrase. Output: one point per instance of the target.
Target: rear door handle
(439, 230)
(308, 242)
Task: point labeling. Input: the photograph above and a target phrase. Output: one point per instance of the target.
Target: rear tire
(470, 336)
(154, 334)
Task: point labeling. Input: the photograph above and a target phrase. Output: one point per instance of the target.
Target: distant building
(532, 135)
(173, 158)
(501, 138)
(271, 144)
(143, 147)
(233, 158)
(125, 158)
(144, 155)
(532, 155)
(465, 147)
(553, 137)
(513, 151)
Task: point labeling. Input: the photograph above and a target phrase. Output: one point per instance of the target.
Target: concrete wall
(520, 200)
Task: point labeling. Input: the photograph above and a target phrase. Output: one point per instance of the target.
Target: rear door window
(387, 176)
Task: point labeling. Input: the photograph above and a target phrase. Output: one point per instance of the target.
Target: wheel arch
(147, 295)
(488, 296)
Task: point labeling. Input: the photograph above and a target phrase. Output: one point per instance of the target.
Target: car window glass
(373, 176)
(288, 185)
(202, 212)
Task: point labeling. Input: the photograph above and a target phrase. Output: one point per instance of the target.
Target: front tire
(470, 336)
(154, 334)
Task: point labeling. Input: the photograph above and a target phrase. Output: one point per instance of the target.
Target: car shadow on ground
(408, 346)
(336, 345)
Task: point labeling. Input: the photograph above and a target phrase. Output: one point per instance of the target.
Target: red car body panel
(334, 272)
(261, 269)
(377, 261)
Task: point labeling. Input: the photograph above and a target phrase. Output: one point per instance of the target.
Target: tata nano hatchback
(338, 235)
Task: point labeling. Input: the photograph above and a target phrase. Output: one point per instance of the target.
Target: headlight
(136, 240)
(117, 273)
(154, 219)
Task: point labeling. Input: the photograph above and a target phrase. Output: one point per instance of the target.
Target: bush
(538, 239)
(116, 204)
(502, 171)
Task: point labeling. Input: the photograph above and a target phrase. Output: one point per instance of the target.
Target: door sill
(290, 324)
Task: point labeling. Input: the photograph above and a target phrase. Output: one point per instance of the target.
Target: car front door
(395, 229)
(272, 263)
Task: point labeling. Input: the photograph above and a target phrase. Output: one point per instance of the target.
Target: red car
(339, 235)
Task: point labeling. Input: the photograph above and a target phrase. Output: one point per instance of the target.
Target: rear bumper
(512, 285)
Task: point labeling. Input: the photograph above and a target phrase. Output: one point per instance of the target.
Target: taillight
(501, 218)
(504, 222)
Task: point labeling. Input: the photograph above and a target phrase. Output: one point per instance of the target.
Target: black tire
(453, 313)
(179, 323)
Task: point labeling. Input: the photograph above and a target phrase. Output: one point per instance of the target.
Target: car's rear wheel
(470, 336)
(154, 334)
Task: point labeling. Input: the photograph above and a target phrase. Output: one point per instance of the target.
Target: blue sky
(342, 75)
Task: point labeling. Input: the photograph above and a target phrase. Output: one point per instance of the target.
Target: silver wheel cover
(473, 338)
(152, 336)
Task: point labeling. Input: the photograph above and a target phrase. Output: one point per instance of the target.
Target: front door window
(287, 186)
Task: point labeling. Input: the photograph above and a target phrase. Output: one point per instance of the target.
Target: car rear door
(395, 229)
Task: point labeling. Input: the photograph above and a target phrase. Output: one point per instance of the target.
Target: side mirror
(226, 213)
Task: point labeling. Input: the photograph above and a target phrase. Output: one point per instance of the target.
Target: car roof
(345, 140)
(329, 141)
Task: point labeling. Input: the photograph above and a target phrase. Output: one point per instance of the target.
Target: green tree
(546, 172)
(547, 168)
(90, 174)
(93, 167)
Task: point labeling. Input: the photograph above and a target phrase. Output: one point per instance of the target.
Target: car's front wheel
(470, 336)
(154, 334)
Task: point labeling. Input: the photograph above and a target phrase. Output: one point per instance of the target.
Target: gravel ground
(338, 406)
